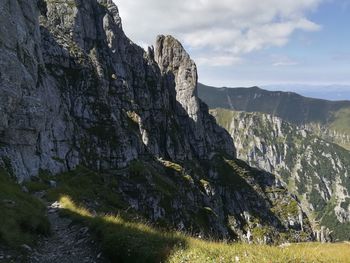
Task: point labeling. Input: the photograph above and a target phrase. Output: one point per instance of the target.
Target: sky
(251, 42)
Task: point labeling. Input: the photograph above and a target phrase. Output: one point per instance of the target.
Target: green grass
(231, 172)
(286, 209)
(92, 199)
(122, 240)
(86, 186)
(341, 121)
(171, 165)
(36, 186)
(127, 241)
(224, 117)
(201, 251)
(340, 230)
(22, 217)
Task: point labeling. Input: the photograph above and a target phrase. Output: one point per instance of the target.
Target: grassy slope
(341, 121)
(125, 241)
(127, 237)
(22, 217)
(129, 240)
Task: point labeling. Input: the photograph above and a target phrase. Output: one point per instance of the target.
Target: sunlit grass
(341, 121)
(122, 240)
(68, 204)
(202, 251)
(128, 241)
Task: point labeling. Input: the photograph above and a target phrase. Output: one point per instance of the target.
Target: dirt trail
(68, 243)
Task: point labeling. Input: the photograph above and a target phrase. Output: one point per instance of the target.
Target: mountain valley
(315, 170)
(328, 119)
(113, 153)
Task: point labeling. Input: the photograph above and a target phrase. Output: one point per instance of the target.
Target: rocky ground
(68, 242)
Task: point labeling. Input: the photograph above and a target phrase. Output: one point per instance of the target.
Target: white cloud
(229, 26)
(283, 61)
(218, 61)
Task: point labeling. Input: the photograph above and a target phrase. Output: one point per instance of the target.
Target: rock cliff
(75, 91)
(315, 170)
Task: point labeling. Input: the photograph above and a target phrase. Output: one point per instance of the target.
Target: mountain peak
(175, 63)
(85, 95)
(172, 56)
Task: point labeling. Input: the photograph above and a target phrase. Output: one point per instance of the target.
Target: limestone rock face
(75, 91)
(26, 102)
(180, 74)
(180, 70)
(312, 168)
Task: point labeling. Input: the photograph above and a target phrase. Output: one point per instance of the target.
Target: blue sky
(251, 42)
(320, 57)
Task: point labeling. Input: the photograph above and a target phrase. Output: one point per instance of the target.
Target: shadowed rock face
(180, 70)
(179, 73)
(76, 91)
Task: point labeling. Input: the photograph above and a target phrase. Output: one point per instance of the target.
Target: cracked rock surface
(75, 91)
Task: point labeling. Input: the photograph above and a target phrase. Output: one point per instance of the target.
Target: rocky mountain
(75, 87)
(313, 169)
(328, 119)
(75, 91)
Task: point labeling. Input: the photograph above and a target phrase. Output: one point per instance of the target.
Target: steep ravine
(315, 170)
(76, 92)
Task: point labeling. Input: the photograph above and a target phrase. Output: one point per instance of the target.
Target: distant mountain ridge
(329, 119)
(332, 92)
